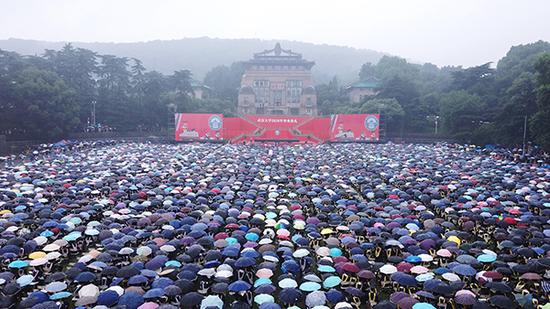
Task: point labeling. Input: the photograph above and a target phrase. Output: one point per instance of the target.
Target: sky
(443, 32)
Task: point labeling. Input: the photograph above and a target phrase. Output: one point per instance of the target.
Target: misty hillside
(201, 54)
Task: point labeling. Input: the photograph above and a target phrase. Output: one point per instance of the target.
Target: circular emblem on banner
(215, 122)
(371, 123)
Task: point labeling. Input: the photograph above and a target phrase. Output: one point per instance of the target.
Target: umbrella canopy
(105, 224)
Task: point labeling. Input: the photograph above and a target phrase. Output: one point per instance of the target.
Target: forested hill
(199, 55)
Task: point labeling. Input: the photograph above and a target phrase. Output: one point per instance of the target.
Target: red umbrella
(492, 275)
(365, 274)
(407, 302)
(350, 267)
(404, 267)
(531, 277)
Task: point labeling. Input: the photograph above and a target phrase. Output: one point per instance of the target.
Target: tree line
(49, 96)
(481, 104)
(54, 94)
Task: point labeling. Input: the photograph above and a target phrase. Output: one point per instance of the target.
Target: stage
(277, 129)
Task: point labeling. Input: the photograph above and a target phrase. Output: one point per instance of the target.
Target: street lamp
(435, 119)
(524, 135)
(93, 113)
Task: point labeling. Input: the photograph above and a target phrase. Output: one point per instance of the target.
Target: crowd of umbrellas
(135, 225)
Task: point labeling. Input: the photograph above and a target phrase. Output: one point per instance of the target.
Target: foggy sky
(443, 32)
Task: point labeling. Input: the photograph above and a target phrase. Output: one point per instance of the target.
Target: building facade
(362, 91)
(277, 82)
(200, 90)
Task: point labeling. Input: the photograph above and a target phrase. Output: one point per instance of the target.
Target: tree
(389, 109)
(65, 82)
(519, 101)
(478, 79)
(39, 104)
(78, 68)
(461, 113)
(225, 81)
(406, 92)
(519, 59)
(368, 72)
(114, 105)
(540, 122)
(330, 97)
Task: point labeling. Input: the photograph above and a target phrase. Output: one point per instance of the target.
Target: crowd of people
(137, 225)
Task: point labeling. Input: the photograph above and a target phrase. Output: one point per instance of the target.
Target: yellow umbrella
(454, 239)
(37, 255)
(326, 231)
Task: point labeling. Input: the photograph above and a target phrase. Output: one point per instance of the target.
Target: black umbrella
(127, 272)
(501, 301)
(192, 299)
(290, 295)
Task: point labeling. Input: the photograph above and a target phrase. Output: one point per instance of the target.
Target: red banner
(341, 127)
(277, 122)
(354, 127)
(199, 127)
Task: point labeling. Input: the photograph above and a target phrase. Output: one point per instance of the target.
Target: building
(277, 82)
(360, 91)
(200, 90)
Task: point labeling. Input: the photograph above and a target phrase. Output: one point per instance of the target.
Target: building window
(278, 97)
(261, 90)
(294, 111)
(260, 110)
(293, 91)
(261, 83)
(308, 111)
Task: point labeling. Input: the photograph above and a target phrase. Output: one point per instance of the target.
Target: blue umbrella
(290, 266)
(162, 283)
(60, 295)
(18, 264)
(334, 296)
(154, 293)
(137, 280)
(262, 281)
(191, 299)
(244, 262)
(265, 289)
(290, 295)
(404, 279)
(46, 305)
(413, 259)
(464, 270)
(486, 258)
(85, 277)
(310, 286)
(239, 286)
(108, 298)
(331, 282)
(131, 300)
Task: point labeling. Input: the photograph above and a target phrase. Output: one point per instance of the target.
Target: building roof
(279, 56)
(309, 90)
(364, 84)
(198, 84)
(246, 90)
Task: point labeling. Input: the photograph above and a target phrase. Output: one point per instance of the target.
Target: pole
(436, 123)
(93, 113)
(524, 134)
